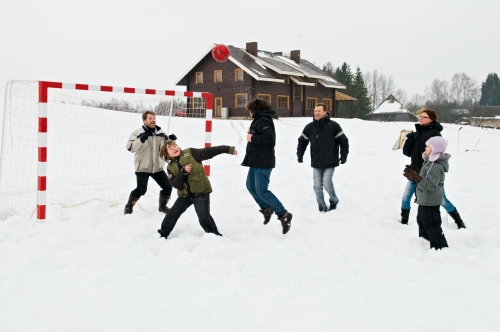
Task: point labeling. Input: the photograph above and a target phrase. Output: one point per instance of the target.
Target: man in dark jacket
(414, 146)
(260, 158)
(327, 138)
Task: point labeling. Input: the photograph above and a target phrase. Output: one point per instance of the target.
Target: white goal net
(65, 143)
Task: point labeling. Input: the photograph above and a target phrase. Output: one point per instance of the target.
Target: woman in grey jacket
(429, 190)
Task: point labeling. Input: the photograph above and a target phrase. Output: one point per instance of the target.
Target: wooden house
(391, 109)
(291, 85)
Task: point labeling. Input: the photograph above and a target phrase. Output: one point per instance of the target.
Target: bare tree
(402, 96)
(437, 92)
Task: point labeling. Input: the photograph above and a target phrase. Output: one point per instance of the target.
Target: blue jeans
(257, 184)
(410, 190)
(323, 179)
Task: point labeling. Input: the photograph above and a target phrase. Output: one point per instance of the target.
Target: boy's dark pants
(201, 205)
(429, 226)
(142, 183)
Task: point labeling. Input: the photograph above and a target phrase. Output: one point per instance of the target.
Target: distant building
(292, 85)
(494, 110)
(391, 110)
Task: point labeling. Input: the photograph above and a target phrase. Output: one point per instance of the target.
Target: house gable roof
(390, 105)
(267, 66)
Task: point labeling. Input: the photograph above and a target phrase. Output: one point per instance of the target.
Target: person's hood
(443, 160)
(433, 125)
(322, 121)
(268, 113)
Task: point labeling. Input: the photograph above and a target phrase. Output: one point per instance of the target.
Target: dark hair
(145, 115)
(323, 105)
(432, 115)
(258, 105)
(164, 150)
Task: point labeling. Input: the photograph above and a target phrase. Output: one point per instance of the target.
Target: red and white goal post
(63, 144)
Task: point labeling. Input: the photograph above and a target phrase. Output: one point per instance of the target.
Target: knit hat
(438, 145)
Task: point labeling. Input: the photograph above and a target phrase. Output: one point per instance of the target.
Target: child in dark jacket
(429, 190)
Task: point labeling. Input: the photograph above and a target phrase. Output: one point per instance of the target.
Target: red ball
(221, 53)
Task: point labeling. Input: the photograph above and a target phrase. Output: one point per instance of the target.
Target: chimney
(252, 48)
(295, 56)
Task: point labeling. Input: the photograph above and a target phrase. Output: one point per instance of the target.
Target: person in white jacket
(146, 143)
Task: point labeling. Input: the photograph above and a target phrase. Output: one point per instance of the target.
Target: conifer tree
(490, 91)
(360, 92)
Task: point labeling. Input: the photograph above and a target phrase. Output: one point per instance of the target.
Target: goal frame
(44, 113)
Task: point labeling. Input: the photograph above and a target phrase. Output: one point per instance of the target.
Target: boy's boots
(405, 214)
(267, 212)
(456, 217)
(286, 222)
(129, 207)
(162, 207)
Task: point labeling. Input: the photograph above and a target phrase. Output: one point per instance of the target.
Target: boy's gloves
(145, 136)
(412, 175)
(343, 160)
(172, 137)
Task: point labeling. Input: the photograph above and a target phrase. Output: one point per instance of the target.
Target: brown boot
(267, 212)
(162, 207)
(129, 207)
(286, 222)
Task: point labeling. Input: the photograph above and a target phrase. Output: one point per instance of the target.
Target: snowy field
(91, 268)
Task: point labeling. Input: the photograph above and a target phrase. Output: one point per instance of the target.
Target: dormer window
(199, 77)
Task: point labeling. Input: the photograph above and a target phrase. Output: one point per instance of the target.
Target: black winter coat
(260, 151)
(415, 141)
(327, 138)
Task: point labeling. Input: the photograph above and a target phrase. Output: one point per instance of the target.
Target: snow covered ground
(91, 268)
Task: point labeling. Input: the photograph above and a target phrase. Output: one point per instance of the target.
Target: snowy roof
(267, 66)
(390, 105)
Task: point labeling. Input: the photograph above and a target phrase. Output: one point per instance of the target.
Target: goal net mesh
(86, 136)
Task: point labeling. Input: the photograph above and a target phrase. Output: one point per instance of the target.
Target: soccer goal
(64, 143)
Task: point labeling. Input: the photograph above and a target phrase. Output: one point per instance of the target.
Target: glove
(412, 168)
(343, 160)
(300, 160)
(172, 137)
(412, 175)
(145, 136)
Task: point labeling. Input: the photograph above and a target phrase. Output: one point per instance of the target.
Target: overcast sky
(150, 43)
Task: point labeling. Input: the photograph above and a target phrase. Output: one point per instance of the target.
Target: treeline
(450, 99)
(161, 108)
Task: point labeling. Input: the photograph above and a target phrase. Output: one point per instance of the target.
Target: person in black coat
(261, 138)
(327, 140)
(414, 146)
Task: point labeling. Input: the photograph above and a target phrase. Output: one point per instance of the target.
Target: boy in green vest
(186, 173)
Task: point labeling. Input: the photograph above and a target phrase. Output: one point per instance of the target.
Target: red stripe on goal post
(42, 183)
(43, 89)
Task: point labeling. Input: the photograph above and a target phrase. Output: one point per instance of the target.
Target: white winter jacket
(147, 155)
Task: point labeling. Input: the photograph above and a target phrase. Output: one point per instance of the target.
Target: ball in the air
(221, 53)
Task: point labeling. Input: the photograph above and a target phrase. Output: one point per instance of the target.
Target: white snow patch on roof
(388, 107)
(258, 72)
(260, 64)
(293, 63)
(262, 54)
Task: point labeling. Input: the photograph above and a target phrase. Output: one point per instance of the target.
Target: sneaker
(323, 210)
(332, 206)
(286, 222)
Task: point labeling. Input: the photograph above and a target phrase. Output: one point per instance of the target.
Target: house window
(198, 103)
(328, 103)
(217, 76)
(265, 97)
(310, 104)
(283, 102)
(241, 100)
(297, 92)
(199, 77)
(238, 75)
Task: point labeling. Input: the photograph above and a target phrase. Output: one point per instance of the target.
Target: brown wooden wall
(228, 88)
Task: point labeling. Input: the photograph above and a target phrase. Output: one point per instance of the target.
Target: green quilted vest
(197, 179)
